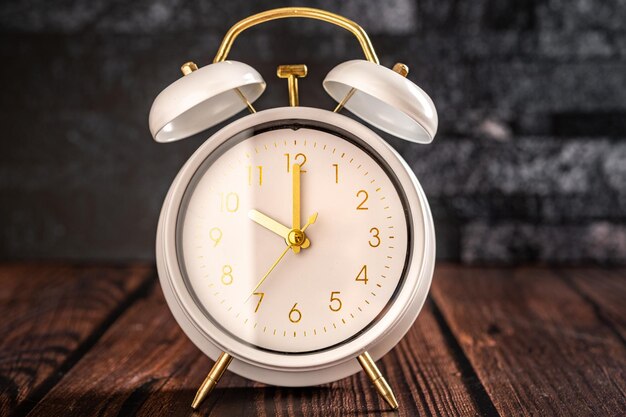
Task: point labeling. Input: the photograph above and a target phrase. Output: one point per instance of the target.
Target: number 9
(215, 234)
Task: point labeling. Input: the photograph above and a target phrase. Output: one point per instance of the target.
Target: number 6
(295, 312)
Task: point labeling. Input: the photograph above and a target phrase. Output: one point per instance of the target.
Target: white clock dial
(329, 291)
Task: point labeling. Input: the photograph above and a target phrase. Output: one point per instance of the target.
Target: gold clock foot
(379, 382)
(212, 379)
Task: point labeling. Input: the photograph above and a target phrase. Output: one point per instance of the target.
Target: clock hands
(294, 237)
(295, 224)
(282, 255)
(274, 226)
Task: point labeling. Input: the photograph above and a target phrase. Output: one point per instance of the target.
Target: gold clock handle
(292, 12)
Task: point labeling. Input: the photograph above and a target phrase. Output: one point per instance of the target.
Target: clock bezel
(308, 368)
(285, 126)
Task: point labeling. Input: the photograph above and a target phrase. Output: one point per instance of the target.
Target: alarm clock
(295, 247)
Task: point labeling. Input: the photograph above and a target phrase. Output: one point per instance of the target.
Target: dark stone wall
(529, 163)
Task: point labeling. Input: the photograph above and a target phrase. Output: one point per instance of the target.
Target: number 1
(250, 174)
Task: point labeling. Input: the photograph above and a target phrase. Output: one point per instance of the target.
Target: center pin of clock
(296, 237)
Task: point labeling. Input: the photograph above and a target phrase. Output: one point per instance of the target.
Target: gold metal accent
(293, 12)
(401, 69)
(370, 368)
(245, 100)
(188, 67)
(295, 223)
(212, 379)
(344, 100)
(296, 237)
(292, 73)
(312, 219)
(269, 271)
(269, 223)
(274, 226)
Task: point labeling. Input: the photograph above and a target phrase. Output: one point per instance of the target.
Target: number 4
(362, 275)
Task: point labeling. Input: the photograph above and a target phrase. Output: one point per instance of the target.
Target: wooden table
(99, 340)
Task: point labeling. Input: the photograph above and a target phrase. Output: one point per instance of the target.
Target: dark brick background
(529, 164)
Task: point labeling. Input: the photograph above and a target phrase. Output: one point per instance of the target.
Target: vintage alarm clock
(295, 246)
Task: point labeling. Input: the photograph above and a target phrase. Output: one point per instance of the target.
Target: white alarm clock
(295, 246)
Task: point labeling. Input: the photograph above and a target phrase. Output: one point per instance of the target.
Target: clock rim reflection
(378, 337)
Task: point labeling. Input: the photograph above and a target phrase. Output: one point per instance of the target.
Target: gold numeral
(336, 173)
(299, 159)
(376, 235)
(362, 275)
(215, 234)
(251, 174)
(339, 304)
(260, 295)
(227, 274)
(294, 314)
(361, 206)
(229, 202)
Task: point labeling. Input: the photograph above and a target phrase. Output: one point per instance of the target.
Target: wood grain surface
(152, 369)
(52, 314)
(606, 292)
(82, 341)
(537, 346)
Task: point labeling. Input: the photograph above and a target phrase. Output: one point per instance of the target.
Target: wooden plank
(50, 314)
(145, 365)
(606, 290)
(537, 346)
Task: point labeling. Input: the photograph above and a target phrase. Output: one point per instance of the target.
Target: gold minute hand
(311, 220)
(272, 225)
(295, 224)
(282, 255)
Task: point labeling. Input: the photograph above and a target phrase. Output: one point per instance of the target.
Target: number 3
(375, 235)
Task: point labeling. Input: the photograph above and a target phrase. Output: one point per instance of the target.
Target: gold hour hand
(269, 223)
(272, 225)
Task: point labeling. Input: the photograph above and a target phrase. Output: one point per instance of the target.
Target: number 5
(333, 299)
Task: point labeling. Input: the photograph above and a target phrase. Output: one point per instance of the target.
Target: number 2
(361, 206)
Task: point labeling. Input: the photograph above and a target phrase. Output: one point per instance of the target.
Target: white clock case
(308, 368)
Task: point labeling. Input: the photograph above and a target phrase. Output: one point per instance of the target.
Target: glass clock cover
(327, 292)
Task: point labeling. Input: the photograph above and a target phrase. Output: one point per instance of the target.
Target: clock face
(253, 272)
